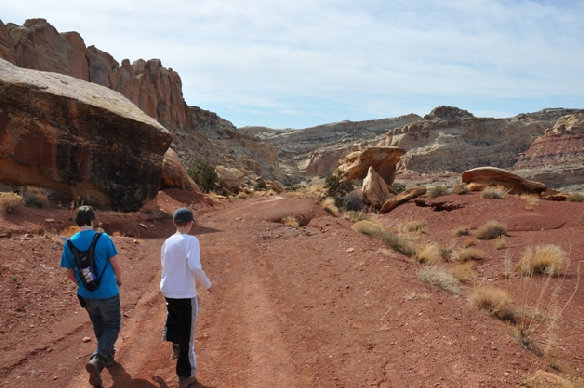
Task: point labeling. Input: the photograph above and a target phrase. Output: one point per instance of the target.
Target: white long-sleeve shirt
(180, 257)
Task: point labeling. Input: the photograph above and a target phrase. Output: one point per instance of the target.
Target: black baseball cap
(183, 215)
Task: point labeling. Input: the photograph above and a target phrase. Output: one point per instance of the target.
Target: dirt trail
(311, 306)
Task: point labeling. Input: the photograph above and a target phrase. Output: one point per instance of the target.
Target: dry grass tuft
(468, 254)
(415, 226)
(463, 272)
(547, 259)
(441, 278)
(290, 221)
(576, 197)
(428, 253)
(501, 243)
(469, 242)
(10, 203)
(531, 199)
(328, 204)
(491, 230)
(461, 231)
(437, 191)
(461, 188)
(495, 301)
(380, 232)
(497, 192)
(353, 215)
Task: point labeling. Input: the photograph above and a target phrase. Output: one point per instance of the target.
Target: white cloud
(275, 57)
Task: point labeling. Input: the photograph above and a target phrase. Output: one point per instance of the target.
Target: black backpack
(86, 264)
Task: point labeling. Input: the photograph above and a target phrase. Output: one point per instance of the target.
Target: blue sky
(296, 64)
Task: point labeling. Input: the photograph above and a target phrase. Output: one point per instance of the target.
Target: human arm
(115, 263)
(71, 275)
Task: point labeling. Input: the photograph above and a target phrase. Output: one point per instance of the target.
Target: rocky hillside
(152, 87)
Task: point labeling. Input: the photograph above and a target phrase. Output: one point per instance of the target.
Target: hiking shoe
(175, 351)
(94, 367)
(186, 381)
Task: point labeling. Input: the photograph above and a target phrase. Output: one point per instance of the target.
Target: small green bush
(204, 175)
(260, 185)
(398, 187)
(437, 191)
(337, 186)
(10, 202)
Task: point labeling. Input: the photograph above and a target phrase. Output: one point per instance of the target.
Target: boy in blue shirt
(102, 304)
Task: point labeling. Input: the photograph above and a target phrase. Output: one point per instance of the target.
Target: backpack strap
(91, 250)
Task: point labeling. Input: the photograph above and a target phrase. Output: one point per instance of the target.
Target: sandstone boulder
(77, 138)
(232, 177)
(375, 190)
(174, 175)
(492, 176)
(382, 159)
(404, 196)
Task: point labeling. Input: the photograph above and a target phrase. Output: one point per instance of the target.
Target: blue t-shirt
(104, 249)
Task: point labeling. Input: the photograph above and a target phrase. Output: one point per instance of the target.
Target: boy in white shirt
(181, 265)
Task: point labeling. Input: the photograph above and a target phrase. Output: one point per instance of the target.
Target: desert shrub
(468, 254)
(10, 202)
(497, 192)
(531, 199)
(351, 201)
(461, 231)
(204, 175)
(416, 226)
(35, 196)
(260, 185)
(463, 272)
(440, 278)
(461, 188)
(548, 259)
(328, 204)
(337, 186)
(495, 301)
(437, 191)
(290, 221)
(492, 229)
(377, 231)
(469, 242)
(576, 197)
(428, 253)
(398, 187)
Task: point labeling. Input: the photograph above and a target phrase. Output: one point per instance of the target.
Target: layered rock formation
(152, 87)
(316, 150)
(383, 160)
(557, 158)
(451, 139)
(77, 138)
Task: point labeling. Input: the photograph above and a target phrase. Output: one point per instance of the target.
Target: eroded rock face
(491, 176)
(557, 158)
(382, 159)
(77, 138)
(451, 139)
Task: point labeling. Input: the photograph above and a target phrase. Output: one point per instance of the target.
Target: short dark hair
(84, 215)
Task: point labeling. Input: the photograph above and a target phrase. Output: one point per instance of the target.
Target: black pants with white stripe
(180, 329)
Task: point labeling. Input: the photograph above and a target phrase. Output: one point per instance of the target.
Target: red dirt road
(314, 306)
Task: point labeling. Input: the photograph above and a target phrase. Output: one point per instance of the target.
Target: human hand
(210, 290)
